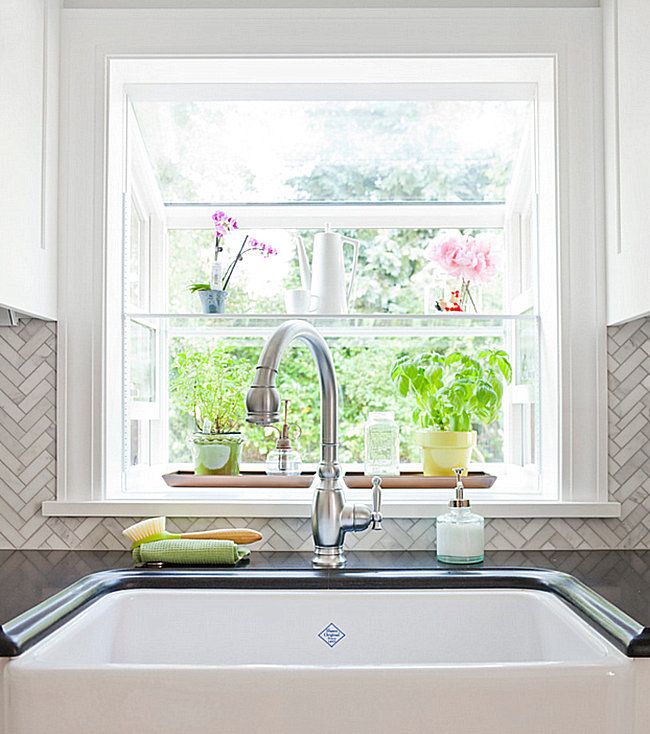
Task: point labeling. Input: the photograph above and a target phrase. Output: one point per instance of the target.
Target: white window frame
(571, 37)
(528, 79)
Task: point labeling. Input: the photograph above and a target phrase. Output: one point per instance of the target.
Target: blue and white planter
(213, 301)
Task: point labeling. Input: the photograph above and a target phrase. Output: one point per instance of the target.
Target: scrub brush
(147, 531)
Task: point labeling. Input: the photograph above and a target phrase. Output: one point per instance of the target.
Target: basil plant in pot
(210, 386)
(452, 393)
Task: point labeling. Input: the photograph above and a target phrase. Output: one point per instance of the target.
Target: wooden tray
(410, 480)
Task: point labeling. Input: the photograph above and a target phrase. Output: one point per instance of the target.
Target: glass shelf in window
(446, 325)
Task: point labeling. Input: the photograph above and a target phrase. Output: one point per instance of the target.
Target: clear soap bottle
(381, 435)
(460, 534)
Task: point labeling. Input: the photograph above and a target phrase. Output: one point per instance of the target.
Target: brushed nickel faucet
(331, 516)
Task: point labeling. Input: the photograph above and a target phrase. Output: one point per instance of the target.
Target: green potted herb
(211, 386)
(452, 393)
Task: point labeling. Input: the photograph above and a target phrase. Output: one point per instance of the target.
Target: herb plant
(455, 390)
(211, 386)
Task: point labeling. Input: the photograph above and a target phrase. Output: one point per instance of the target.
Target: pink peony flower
(463, 256)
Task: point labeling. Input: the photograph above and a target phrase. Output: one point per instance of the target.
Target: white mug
(297, 301)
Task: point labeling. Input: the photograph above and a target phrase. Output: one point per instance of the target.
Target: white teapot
(326, 278)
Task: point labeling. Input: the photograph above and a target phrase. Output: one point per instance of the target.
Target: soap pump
(283, 459)
(459, 532)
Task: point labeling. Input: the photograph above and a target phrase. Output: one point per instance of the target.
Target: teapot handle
(355, 258)
(303, 264)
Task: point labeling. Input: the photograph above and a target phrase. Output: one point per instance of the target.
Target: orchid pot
(213, 301)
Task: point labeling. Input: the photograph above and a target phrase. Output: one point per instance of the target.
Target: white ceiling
(185, 4)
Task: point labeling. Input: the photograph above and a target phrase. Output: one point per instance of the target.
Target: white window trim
(571, 36)
(311, 216)
(530, 79)
(392, 508)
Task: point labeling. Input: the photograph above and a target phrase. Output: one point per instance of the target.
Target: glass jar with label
(381, 445)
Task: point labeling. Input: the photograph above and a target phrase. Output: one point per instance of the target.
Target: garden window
(395, 152)
(396, 167)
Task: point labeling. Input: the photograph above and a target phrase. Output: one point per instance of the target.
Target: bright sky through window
(361, 151)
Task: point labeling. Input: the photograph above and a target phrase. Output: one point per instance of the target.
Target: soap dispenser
(283, 459)
(460, 536)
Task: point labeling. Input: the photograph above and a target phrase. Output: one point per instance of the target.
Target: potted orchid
(470, 258)
(213, 295)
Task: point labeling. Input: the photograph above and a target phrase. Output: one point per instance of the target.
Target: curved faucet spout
(331, 516)
(263, 401)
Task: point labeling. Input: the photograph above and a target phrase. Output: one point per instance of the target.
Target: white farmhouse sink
(279, 662)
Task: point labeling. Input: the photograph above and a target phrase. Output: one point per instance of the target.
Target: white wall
(627, 170)
(29, 63)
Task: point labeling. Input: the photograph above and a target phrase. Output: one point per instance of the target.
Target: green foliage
(363, 372)
(194, 287)
(455, 390)
(211, 386)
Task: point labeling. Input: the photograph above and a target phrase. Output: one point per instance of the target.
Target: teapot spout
(303, 263)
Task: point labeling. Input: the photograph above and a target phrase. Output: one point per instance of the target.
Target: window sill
(391, 509)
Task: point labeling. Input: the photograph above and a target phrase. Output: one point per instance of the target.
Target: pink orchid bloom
(223, 223)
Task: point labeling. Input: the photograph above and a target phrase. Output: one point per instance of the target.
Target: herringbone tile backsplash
(28, 466)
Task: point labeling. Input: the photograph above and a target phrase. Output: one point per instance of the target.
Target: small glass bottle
(381, 445)
(460, 534)
(284, 459)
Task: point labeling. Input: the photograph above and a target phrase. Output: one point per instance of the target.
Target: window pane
(142, 366)
(140, 443)
(290, 151)
(363, 367)
(138, 260)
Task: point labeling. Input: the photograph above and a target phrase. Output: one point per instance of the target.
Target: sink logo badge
(331, 635)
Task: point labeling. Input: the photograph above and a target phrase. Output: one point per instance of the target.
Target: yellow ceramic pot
(444, 450)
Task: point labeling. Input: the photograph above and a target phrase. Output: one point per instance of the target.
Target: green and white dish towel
(190, 552)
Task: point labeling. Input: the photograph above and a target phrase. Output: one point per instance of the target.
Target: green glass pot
(216, 453)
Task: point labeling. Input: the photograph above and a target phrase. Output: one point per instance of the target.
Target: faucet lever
(376, 516)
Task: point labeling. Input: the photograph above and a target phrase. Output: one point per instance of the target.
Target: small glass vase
(216, 453)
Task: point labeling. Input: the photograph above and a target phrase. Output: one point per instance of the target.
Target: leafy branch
(210, 386)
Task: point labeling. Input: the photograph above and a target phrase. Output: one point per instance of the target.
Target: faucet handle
(376, 516)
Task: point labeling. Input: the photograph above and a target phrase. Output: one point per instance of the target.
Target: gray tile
(28, 466)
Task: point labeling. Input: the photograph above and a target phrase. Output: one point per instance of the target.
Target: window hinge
(8, 317)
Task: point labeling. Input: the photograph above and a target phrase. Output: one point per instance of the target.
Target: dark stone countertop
(622, 577)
